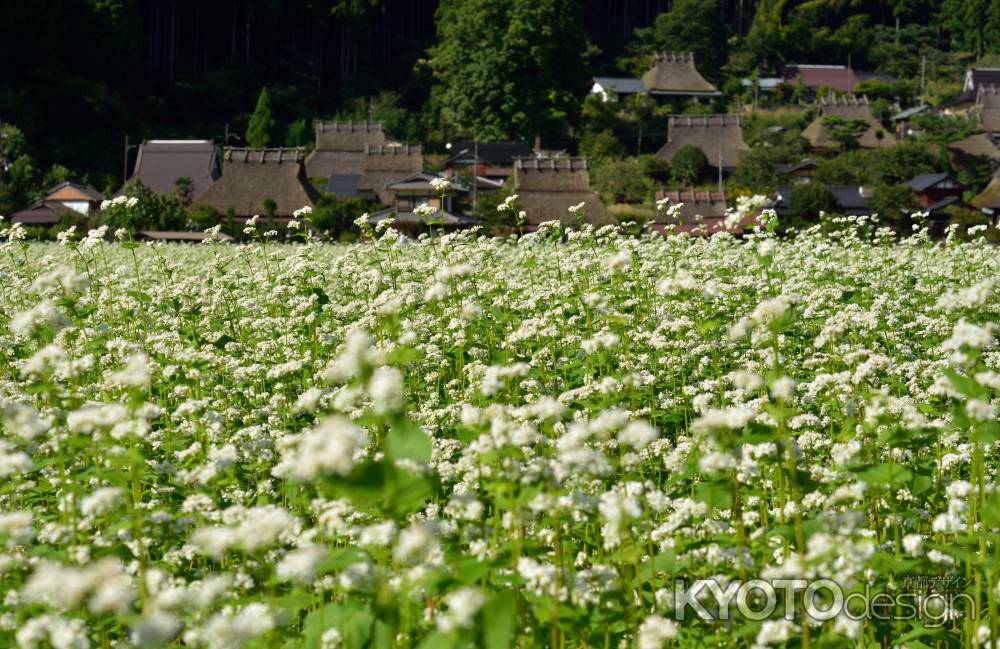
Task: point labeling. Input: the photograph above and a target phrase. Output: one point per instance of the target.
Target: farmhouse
(987, 109)
(339, 156)
(161, 163)
(416, 190)
(846, 107)
(978, 145)
(65, 199)
(935, 192)
(720, 137)
(817, 77)
(547, 187)
(385, 165)
(492, 160)
(989, 199)
(852, 200)
(254, 179)
(671, 76)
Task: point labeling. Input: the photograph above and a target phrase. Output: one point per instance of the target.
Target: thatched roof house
(547, 188)
(847, 107)
(674, 74)
(161, 163)
(988, 108)
(989, 198)
(385, 165)
(979, 145)
(718, 136)
(340, 147)
(252, 176)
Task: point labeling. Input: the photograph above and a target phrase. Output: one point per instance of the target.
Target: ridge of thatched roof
(847, 107)
(675, 73)
(977, 145)
(989, 198)
(385, 165)
(988, 107)
(547, 187)
(251, 176)
(695, 205)
(718, 136)
(340, 147)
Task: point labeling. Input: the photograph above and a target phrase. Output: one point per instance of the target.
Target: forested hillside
(78, 75)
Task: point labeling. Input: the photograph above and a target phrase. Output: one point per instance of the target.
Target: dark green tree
(601, 146)
(845, 131)
(512, 69)
(894, 204)
(690, 26)
(806, 203)
(688, 164)
(622, 181)
(262, 126)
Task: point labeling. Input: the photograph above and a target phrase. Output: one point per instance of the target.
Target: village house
(64, 200)
(989, 199)
(385, 165)
(417, 190)
(490, 160)
(975, 78)
(936, 192)
(798, 172)
(987, 110)
(846, 107)
(671, 76)
(979, 145)
(160, 164)
(720, 137)
(700, 213)
(819, 78)
(267, 182)
(547, 187)
(852, 200)
(338, 160)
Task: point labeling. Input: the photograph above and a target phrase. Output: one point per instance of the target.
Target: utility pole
(475, 173)
(923, 78)
(720, 169)
(638, 146)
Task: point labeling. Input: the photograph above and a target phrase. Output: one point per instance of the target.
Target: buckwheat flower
(331, 639)
(574, 209)
(936, 556)
(844, 453)
(655, 631)
(66, 236)
(462, 606)
(913, 544)
(783, 388)
(101, 501)
(262, 526)
(716, 419)
(303, 212)
(774, 632)
(156, 629)
(440, 185)
(299, 566)
(412, 543)
(980, 410)
(386, 390)
(12, 461)
(43, 314)
(215, 540)
(18, 527)
(620, 261)
(121, 234)
(329, 448)
(638, 435)
(60, 632)
(967, 335)
(228, 630)
(308, 401)
(425, 210)
(24, 421)
(355, 356)
(135, 374)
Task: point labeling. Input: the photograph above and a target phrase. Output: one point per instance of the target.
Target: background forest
(79, 75)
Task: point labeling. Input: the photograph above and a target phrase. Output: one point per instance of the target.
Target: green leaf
(439, 640)
(883, 473)
(498, 621)
(352, 620)
(406, 440)
(966, 387)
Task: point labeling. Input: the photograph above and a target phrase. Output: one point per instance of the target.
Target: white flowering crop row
(471, 442)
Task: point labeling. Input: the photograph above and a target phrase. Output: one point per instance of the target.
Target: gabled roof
(489, 153)
(43, 213)
(976, 77)
(252, 176)
(948, 201)
(989, 198)
(923, 182)
(718, 136)
(447, 219)
(910, 112)
(695, 205)
(851, 199)
(343, 185)
(795, 166)
(422, 181)
(847, 107)
(547, 187)
(385, 165)
(340, 147)
(160, 163)
(68, 191)
(676, 74)
(837, 77)
(621, 85)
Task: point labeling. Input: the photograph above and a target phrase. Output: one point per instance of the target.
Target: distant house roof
(978, 145)
(421, 182)
(716, 135)
(936, 209)
(764, 83)
(73, 192)
(384, 165)
(340, 147)
(495, 154)
(618, 85)
(447, 219)
(976, 77)
(989, 198)
(847, 107)
(161, 163)
(695, 205)
(910, 112)
(64, 198)
(795, 166)
(43, 213)
(179, 235)
(252, 176)
(988, 108)
(923, 182)
(851, 199)
(547, 188)
(837, 77)
(676, 74)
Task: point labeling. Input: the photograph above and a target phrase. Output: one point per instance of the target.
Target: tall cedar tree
(511, 69)
(262, 127)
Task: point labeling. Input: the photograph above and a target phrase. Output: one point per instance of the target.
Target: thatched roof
(716, 135)
(340, 147)
(847, 107)
(161, 163)
(675, 74)
(547, 188)
(989, 198)
(385, 165)
(978, 145)
(250, 176)
(988, 107)
(180, 236)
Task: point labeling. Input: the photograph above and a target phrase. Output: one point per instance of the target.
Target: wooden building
(340, 148)
(161, 163)
(846, 107)
(547, 187)
(720, 137)
(385, 165)
(671, 75)
(416, 190)
(64, 200)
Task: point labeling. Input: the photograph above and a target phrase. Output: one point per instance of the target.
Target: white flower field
(476, 442)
